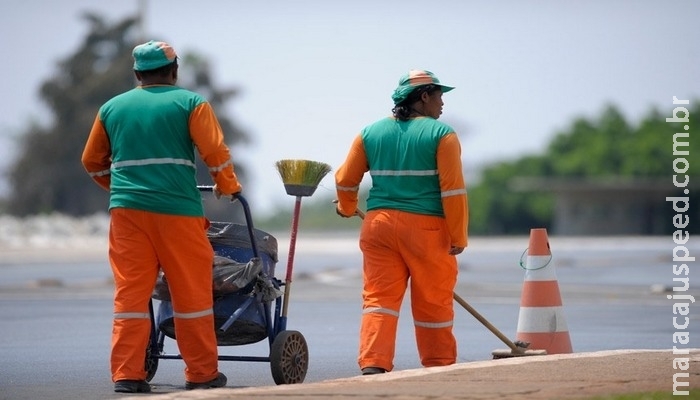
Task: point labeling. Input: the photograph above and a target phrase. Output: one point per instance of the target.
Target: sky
(313, 73)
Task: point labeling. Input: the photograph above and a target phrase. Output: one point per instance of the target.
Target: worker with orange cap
(416, 223)
(141, 148)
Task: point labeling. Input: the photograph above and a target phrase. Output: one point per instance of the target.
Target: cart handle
(246, 211)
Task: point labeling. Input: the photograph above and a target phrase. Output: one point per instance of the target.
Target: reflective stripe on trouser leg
(135, 268)
(384, 283)
(193, 332)
(378, 339)
(424, 245)
(186, 258)
(129, 342)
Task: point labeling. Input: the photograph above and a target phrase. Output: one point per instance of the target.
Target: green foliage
(610, 147)
(590, 149)
(48, 175)
(496, 209)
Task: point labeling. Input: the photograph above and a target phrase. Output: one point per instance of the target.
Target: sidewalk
(562, 376)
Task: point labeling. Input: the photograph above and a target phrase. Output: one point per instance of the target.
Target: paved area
(562, 376)
(581, 375)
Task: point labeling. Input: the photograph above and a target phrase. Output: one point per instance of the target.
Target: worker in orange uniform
(142, 149)
(416, 223)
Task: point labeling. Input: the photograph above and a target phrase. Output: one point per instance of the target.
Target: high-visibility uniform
(417, 209)
(142, 149)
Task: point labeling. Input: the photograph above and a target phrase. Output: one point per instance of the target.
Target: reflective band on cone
(541, 320)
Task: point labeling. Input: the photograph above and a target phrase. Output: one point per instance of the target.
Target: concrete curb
(560, 376)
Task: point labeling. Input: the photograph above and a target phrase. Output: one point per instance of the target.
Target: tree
(48, 175)
(590, 149)
(496, 209)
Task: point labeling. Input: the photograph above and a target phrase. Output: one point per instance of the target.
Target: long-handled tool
(300, 178)
(517, 348)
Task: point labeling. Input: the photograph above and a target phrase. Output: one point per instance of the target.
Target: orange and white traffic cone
(541, 320)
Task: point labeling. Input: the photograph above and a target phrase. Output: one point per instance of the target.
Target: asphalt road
(55, 317)
(56, 340)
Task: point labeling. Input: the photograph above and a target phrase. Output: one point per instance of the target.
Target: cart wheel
(289, 358)
(151, 360)
(151, 364)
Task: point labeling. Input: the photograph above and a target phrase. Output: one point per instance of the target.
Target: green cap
(153, 55)
(413, 79)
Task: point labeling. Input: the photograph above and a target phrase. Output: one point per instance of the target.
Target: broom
(300, 178)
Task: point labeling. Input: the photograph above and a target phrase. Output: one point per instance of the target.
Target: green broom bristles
(301, 177)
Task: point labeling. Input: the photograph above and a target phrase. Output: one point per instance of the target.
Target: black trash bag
(233, 235)
(228, 276)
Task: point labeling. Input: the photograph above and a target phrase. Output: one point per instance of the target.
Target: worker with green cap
(141, 148)
(415, 225)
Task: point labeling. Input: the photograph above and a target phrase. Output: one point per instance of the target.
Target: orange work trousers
(399, 247)
(140, 243)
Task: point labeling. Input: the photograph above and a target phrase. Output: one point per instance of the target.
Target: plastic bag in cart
(228, 276)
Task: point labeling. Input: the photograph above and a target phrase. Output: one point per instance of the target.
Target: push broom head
(301, 177)
(519, 350)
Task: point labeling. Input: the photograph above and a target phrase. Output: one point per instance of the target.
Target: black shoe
(372, 371)
(131, 386)
(219, 381)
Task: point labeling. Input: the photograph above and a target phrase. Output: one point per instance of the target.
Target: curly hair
(403, 110)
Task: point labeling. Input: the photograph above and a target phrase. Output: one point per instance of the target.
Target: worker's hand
(218, 194)
(337, 211)
(454, 250)
(357, 213)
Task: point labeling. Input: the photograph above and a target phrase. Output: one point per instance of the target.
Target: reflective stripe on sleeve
(347, 188)
(220, 167)
(99, 173)
(455, 192)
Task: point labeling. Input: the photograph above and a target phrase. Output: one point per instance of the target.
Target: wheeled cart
(244, 290)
